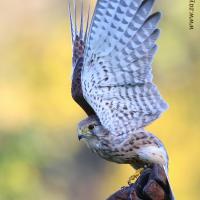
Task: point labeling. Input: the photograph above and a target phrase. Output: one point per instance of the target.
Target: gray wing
(116, 76)
(78, 41)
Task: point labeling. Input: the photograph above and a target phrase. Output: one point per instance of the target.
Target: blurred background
(40, 156)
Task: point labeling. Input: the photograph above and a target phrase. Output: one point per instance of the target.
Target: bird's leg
(135, 176)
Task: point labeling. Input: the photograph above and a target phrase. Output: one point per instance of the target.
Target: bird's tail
(171, 195)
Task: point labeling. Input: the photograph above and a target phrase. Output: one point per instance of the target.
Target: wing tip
(81, 34)
(147, 4)
(71, 21)
(164, 105)
(157, 14)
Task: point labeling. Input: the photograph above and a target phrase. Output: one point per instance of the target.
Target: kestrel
(112, 81)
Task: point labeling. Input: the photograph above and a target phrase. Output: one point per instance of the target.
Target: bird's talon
(123, 187)
(135, 176)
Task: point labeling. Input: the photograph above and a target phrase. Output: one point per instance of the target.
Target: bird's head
(88, 129)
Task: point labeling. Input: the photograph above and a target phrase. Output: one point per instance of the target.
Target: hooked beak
(80, 137)
(82, 134)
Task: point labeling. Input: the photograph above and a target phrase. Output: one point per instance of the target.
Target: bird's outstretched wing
(116, 76)
(78, 41)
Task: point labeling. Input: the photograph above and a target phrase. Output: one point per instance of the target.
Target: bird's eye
(91, 126)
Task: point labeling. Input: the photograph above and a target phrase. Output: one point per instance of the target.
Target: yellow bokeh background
(40, 156)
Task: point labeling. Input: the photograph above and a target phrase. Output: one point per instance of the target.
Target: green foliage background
(40, 156)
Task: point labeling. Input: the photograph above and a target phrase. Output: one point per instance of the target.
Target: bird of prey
(112, 81)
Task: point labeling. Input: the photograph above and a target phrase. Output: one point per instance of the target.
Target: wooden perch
(151, 185)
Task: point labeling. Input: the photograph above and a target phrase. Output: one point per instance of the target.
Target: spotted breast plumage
(112, 80)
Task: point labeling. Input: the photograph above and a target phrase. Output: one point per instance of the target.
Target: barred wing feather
(116, 76)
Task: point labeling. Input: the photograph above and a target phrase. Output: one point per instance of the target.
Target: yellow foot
(135, 176)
